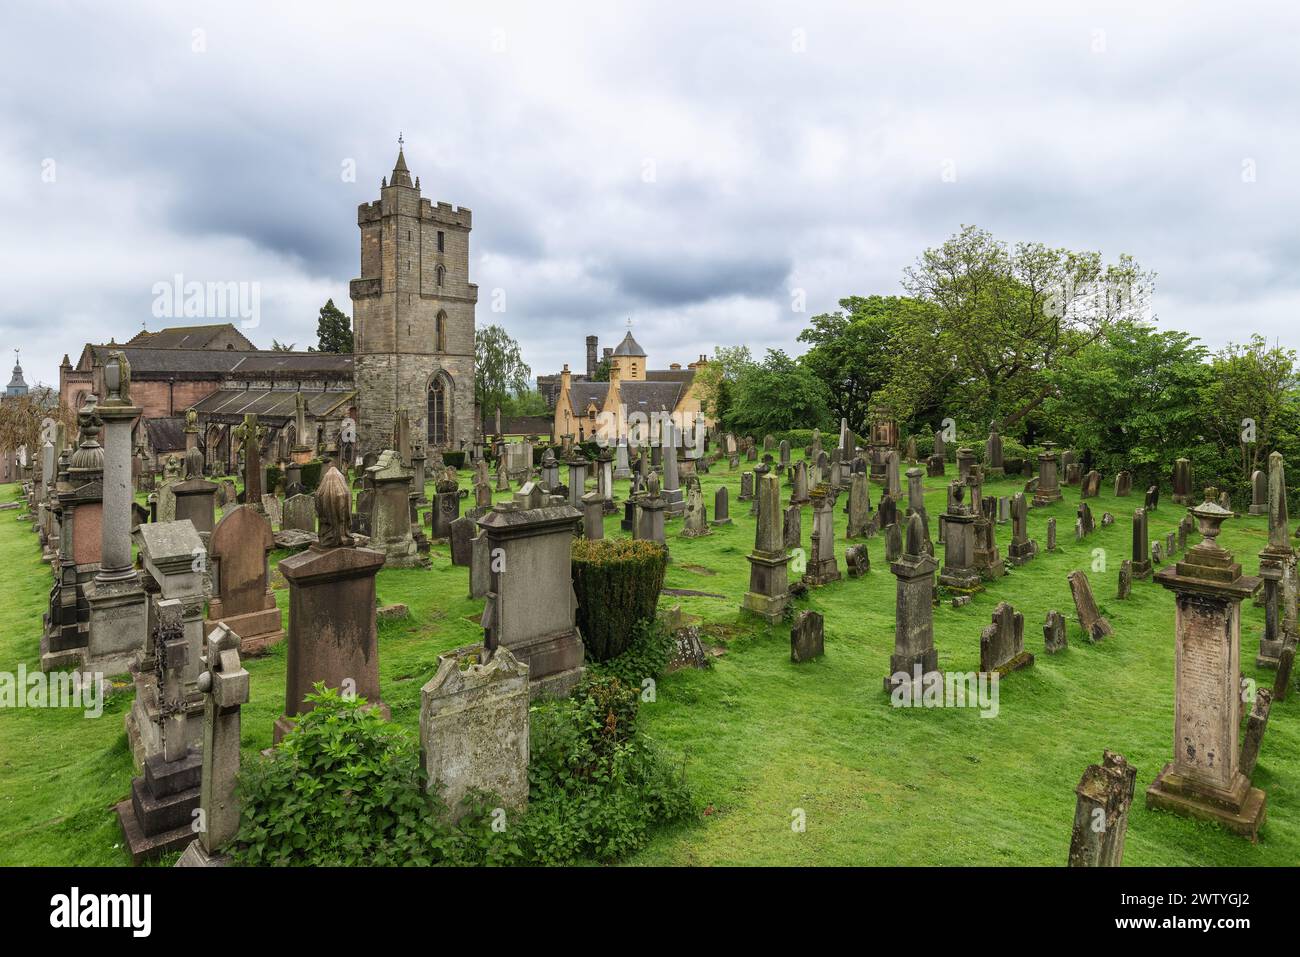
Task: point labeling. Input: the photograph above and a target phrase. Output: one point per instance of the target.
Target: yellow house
(587, 410)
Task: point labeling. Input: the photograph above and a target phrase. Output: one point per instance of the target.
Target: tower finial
(400, 142)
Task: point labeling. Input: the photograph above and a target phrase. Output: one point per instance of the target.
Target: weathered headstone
(822, 567)
(1125, 579)
(857, 561)
(806, 637)
(1256, 725)
(244, 602)
(1104, 795)
(1002, 643)
(768, 592)
(474, 729)
(914, 654)
(1205, 780)
(1095, 627)
(1054, 635)
(1182, 480)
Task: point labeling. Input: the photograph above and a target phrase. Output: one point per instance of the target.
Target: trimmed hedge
(455, 459)
(311, 475)
(617, 582)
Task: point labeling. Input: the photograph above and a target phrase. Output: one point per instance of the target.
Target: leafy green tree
(527, 402)
(853, 353)
(333, 330)
(602, 371)
(278, 346)
(1249, 407)
(499, 368)
(1005, 317)
(716, 379)
(776, 395)
(1132, 398)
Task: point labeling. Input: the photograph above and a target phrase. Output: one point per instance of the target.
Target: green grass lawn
(762, 738)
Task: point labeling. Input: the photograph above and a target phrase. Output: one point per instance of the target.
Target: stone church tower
(413, 318)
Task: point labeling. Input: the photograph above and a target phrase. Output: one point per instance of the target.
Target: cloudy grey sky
(689, 165)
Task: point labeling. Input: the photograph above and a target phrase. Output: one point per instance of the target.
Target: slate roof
(150, 362)
(270, 403)
(629, 347)
(650, 396)
(583, 393)
(684, 376)
(189, 337)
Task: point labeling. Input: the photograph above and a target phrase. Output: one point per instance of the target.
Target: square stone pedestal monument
(530, 606)
(1204, 780)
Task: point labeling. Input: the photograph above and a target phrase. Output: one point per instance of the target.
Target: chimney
(591, 357)
(675, 366)
(565, 379)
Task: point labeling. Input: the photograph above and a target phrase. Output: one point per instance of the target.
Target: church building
(413, 318)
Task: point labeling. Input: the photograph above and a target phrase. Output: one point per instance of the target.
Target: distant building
(584, 406)
(216, 371)
(413, 317)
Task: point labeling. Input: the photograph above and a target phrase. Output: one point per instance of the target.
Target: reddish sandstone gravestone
(244, 602)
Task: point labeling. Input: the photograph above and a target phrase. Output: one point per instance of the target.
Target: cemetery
(474, 677)
(739, 436)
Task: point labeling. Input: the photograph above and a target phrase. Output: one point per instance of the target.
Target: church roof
(401, 175)
(17, 385)
(270, 404)
(191, 337)
(629, 347)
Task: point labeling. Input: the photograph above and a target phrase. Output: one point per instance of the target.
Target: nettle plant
(345, 787)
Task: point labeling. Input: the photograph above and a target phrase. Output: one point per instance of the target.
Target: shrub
(273, 477)
(311, 475)
(455, 459)
(346, 787)
(617, 583)
(342, 788)
(646, 656)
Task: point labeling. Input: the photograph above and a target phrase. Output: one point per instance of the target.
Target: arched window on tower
(440, 273)
(438, 418)
(440, 332)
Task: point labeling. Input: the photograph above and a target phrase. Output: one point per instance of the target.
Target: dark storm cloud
(679, 165)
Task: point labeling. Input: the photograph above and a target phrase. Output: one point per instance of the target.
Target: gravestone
(934, 466)
(696, 524)
(746, 487)
(993, 452)
(1022, 548)
(857, 561)
(224, 684)
(793, 526)
(806, 637)
(822, 567)
(244, 602)
(157, 817)
(1125, 579)
(474, 729)
(390, 513)
(1205, 780)
(1103, 798)
(914, 654)
(593, 516)
(332, 624)
(1256, 725)
(273, 511)
(1051, 534)
(1054, 635)
(462, 534)
(1182, 480)
(1123, 484)
(893, 542)
(1277, 568)
(1095, 627)
(1091, 485)
(1048, 489)
(531, 607)
(959, 571)
(299, 513)
(1258, 493)
(859, 505)
(1002, 643)
(1084, 518)
(768, 592)
(1152, 501)
(1141, 556)
(721, 507)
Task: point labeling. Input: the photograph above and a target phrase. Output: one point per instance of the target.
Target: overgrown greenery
(499, 368)
(617, 583)
(345, 787)
(1052, 343)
